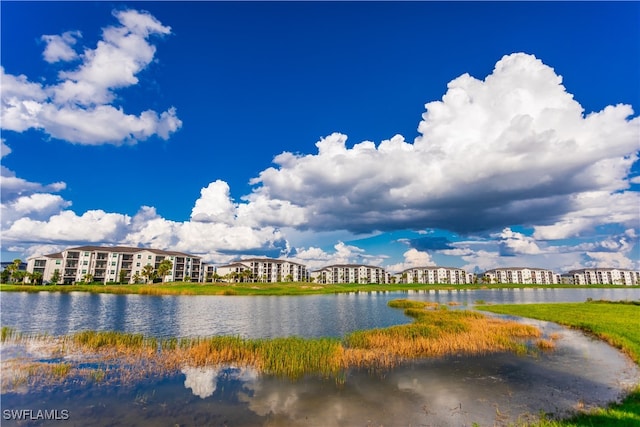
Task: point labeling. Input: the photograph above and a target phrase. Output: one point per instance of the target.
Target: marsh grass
(545, 344)
(60, 370)
(434, 332)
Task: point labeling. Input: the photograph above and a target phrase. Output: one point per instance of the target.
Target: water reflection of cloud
(366, 401)
(201, 381)
(489, 390)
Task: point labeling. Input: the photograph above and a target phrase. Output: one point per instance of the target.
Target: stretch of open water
(332, 315)
(491, 390)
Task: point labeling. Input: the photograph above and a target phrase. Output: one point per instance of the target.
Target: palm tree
(136, 277)
(55, 277)
(87, 278)
(246, 274)
(148, 273)
(14, 270)
(164, 268)
(35, 278)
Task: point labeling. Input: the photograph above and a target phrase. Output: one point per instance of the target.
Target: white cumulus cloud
(78, 107)
(514, 148)
(60, 47)
(66, 226)
(412, 258)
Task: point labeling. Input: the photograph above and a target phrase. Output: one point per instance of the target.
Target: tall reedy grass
(437, 333)
(433, 333)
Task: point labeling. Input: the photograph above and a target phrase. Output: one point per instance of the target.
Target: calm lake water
(252, 316)
(490, 390)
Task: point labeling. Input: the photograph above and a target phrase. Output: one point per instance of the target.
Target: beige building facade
(435, 275)
(113, 264)
(521, 276)
(265, 270)
(602, 276)
(350, 273)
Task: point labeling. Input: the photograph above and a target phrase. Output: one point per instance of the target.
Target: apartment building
(435, 275)
(267, 270)
(113, 264)
(350, 273)
(602, 276)
(522, 276)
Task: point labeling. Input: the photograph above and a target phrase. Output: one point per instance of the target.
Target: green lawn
(298, 288)
(616, 323)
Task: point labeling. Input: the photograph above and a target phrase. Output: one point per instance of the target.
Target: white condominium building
(450, 275)
(603, 276)
(268, 270)
(521, 276)
(113, 264)
(351, 273)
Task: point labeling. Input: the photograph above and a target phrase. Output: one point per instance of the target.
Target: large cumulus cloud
(514, 148)
(78, 107)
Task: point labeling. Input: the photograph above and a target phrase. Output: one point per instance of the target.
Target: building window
(137, 264)
(113, 263)
(139, 256)
(85, 262)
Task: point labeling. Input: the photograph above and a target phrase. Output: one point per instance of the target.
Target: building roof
(518, 268)
(233, 264)
(277, 260)
(125, 249)
(432, 267)
(584, 270)
(349, 266)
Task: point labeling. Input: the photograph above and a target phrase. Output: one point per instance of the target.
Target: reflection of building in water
(602, 276)
(201, 381)
(522, 276)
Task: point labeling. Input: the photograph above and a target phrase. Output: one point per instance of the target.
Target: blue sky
(468, 134)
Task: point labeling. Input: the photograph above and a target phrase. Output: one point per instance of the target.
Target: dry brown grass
(434, 333)
(545, 344)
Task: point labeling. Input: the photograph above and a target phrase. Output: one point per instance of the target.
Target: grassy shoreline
(274, 289)
(616, 323)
